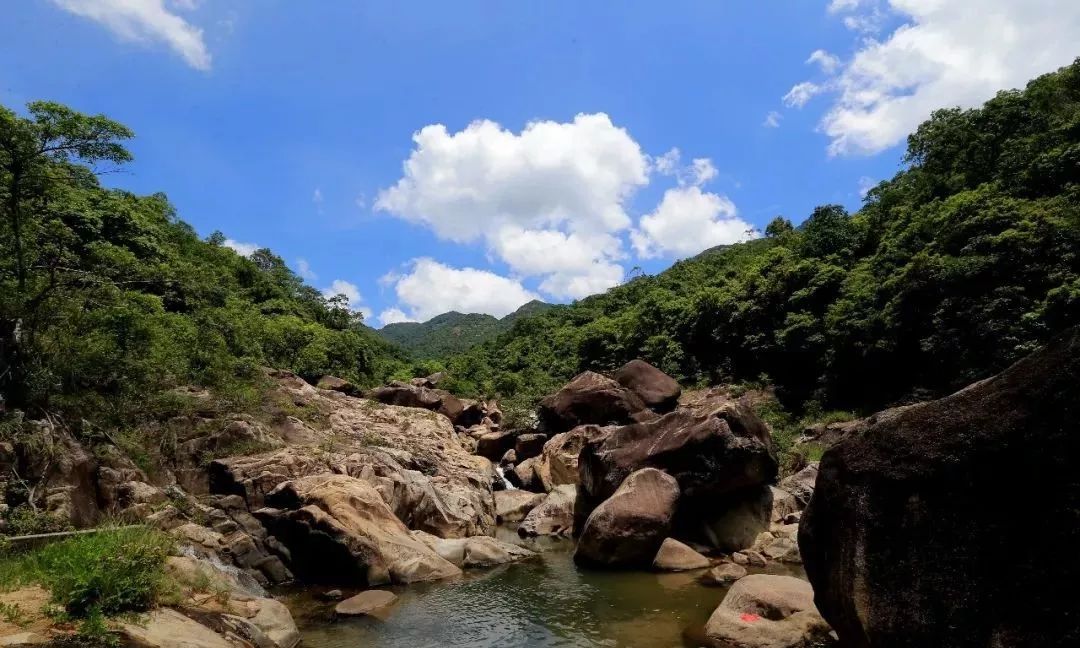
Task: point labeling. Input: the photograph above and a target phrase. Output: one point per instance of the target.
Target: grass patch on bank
(103, 574)
(787, 428)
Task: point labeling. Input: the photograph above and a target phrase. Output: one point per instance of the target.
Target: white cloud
(697, 173)
(552, 182)
(801, 93)
(944, 54)
(597, 277)
(772, 120)
(431, 288)
(865, 185)
(243, 249)
(393, 316)
(316, 196)
(826, 61)
(688, 221)
(350, 290)
(303, 268)
(146, 21)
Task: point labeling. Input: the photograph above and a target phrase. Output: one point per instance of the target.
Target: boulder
(553, 516)
(591, 398)
(723, 574)
(736, 521)
(715, 458)
(527, 446)
(944, 524)
(167, 628)
(333, 383)
(763, 611)
(801, 484)
(365, 603)
(22, 639)
(627, 529)
(559, 458)
(655, 388)
(676, 556)
(783, 504)
(494, 445)
(478, 551)
(514, 505)
(338, 530)
(526, 477)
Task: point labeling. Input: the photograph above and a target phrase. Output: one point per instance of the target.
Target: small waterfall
(502, 475)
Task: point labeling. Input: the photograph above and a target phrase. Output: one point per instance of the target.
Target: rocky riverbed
(631, 514)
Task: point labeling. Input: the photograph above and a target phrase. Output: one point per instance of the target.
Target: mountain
(962, 263)
(454, 332)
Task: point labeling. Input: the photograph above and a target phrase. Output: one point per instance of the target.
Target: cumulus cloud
(303, 268)
(393, 316)
(147, 21)
(687, 221)
(698, 172)
(553, 181)
(243, 249)
(943, 54)
(827, 62)
(351, 292)
(430, 288)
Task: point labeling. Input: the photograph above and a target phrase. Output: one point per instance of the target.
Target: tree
(53, 133)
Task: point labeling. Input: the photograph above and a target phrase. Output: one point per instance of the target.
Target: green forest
(108, 300)
(960, 264)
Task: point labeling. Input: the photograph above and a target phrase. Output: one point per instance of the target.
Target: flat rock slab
(365, 603)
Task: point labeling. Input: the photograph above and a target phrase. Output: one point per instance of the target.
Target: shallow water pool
(544, 602)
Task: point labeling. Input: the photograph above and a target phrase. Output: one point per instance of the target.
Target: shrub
(109, 572)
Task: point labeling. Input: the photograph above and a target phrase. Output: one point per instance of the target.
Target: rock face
(713, 457)
(655, 388)
(514, 505)
(559, 458)
(627, 529)
(527, 446)
(676, 556)
(553, 516)
(591, 398)
(339, 530)
(167, 628)
(334, 383)
(478, 551)
(762, 611)
(943, 525)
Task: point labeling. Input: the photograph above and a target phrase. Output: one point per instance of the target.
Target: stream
(543, 602)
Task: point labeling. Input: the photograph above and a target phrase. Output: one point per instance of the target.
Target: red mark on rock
(749, 618)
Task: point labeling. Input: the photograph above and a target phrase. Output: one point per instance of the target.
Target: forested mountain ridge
(959, 265)
(108, 300)
(453, 332)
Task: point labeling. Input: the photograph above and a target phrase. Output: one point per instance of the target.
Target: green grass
(107, 573)
(787, 428)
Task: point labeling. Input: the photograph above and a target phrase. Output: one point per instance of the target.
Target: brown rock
(333, 383)
(763, 611)
(801, 484)
(715, 458)
(655, 388)
(627, 529)
(527, 446)
(493, 445)
(939, 526)
(723, 574)
(553, 516)
(591, 398)
(514, 505)
(526, 477)
(559, 458)
(676, 556)
(339, 530)
(365, 603)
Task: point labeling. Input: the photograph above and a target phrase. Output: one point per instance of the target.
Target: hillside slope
(962, 263)
(453, 332)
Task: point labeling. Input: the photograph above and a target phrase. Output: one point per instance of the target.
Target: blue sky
(289, 124)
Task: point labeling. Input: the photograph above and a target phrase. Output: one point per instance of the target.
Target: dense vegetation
(453, 332)
(108, 299)
(962, 263)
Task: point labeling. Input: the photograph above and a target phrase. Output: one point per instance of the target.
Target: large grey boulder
(764, 611)
(944, 524)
